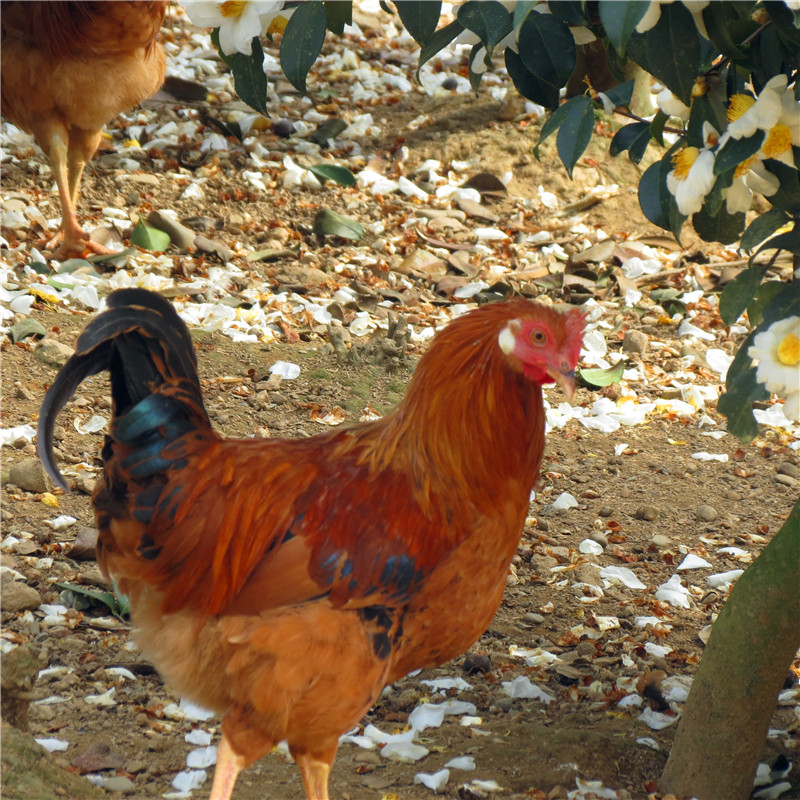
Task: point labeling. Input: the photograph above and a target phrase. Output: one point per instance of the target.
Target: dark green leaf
(521, 10)
(488, 19)
(657, 126)
(763, 226)
(334, 172)
(329, 223)
(475, 78)
(149, 238)
(788, 195)
(741, 389)
(603, 377)
(784, 241)
(528, 85)
(328, 130)
(621, 94)
(569, 11)
(438, 41)
(302, 42)
(738, 293)
(248, 73)
(766, 54)
(575, 132)
(651, 189)
(670, 51)
(634, 138)
(420, 17)
(620, 20)
(547, 48)
(785, 304)
(724, 227)
(766, 292)
(718, 28)
(735, 151)
(338, 13)
(119, 259)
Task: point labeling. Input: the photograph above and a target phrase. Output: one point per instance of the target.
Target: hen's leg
(69, 153)
(314, 770)
(229, 765)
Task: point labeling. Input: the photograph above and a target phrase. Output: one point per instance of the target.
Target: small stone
(787, 468)
(733, 496)
(503, 703)
(23, 393)
(661, 542)
(635, 342)
(706, 513)
(119, 783)
(605, 511)
(52, 352)
(28, 475)
(540, 565)
(600, 538)
(533, 618)
(407, 700)
(135, 767)
(787, 480)
(647, 513)
(18, 596)
(477, 664)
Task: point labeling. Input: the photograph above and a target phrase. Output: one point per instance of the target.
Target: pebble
(787, 480)
(19, 596)
(647, 513)
(787, 468)
(478, 663)
(533, 617)
(635, 342)
(119, 783)
(590, 573)
(605, 511)
(661, 542)
(53, 353)
(706, 513)
(600, 538)
(503, 703)
(29, 475)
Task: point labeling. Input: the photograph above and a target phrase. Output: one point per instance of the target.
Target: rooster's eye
(538, 337)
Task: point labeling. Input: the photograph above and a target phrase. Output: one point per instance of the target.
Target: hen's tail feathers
(145, 345)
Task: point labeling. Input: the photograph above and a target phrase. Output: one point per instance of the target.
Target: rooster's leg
(314, 770)
(229, 765)
(68, 159)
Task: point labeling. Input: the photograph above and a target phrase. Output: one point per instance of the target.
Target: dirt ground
(652, 488)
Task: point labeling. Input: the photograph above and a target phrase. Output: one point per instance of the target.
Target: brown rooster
(284, 583)
(67, 69)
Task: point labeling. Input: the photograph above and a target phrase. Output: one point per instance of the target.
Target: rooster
(67, 69)
(285, 583)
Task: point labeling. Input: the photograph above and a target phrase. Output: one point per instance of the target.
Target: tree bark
(753, 641)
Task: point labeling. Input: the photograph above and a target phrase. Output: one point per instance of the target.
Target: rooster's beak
(566, 380)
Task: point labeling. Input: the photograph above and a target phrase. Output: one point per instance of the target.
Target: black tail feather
(142, 341)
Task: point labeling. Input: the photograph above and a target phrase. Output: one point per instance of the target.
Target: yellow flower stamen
(682, 162)
(789, 350)
(745, 167)
(232, 8)
(778, 141)
(739, 104)
(278, 25)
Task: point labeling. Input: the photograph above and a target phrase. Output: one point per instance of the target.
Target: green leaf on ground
(334, 172)
(603, 377)
(149, 238)
(329, 223)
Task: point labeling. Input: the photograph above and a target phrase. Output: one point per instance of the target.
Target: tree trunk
(754, 639)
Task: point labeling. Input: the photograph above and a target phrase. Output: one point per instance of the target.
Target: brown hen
(67, 69)
(284, 583)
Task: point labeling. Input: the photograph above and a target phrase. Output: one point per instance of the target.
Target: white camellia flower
(777, 350)
(239, 21)
(672, 106)
(746, 115)
(691, 178)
